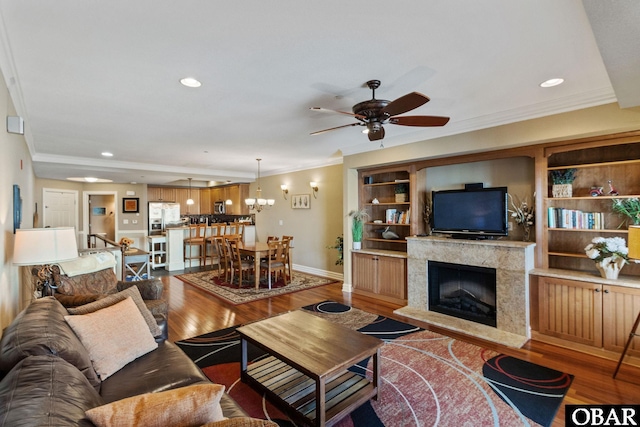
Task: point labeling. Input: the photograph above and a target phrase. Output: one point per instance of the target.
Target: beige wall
(313, 229)
(15, 168)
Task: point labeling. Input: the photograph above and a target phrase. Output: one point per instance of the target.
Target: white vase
(357, 246)
(609, 268)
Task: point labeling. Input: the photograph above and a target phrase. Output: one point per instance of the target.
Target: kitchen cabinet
(591, 312)
(161, 194)
(206, 205)
(182, 195)
(382, 274)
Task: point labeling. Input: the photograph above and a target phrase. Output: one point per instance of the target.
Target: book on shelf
(574, 219)
(394, 216)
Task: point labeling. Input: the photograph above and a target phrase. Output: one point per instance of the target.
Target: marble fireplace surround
(512, 260)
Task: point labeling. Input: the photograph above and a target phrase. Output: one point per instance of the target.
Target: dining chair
(211, 249)
(224, 262)
(275, 261)
(196, 238)
(288, 240)
(237, 263)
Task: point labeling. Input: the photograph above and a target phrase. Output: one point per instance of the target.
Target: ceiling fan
(376, 112)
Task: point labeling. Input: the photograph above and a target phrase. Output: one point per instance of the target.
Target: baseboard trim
(318, 272)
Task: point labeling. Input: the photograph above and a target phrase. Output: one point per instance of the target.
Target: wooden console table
(306, 373)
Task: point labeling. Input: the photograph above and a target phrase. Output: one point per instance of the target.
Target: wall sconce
(285, 191)
(228, 202)
(314, 187)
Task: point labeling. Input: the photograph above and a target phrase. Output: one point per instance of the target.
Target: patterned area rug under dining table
(209, 282)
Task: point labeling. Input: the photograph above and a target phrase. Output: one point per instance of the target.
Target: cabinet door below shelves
(365, 272)
(571, 310)
(392, 277)
(620, 307)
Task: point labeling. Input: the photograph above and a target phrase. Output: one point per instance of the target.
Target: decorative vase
(526, 233)
(562, 190)
(357, 246)
(609, 268)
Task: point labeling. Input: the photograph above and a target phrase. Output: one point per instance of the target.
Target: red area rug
(428, 379)
(233, 294)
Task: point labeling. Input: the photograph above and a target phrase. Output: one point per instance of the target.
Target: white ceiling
(93, 76)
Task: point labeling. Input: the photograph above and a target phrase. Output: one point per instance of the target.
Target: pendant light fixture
(259, 203)
(189, 200)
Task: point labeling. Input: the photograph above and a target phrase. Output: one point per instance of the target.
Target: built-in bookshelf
(572, 222)
(386, 196)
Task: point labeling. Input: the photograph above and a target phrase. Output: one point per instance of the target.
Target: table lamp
(44, 247)
(634, 243)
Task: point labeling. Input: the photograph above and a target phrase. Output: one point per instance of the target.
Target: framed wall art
(99, 211)
(301, 201)
(130, 205)
(17, 208)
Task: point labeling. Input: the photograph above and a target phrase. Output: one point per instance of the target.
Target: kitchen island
(175, 247)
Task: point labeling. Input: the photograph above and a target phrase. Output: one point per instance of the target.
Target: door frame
(86, 208)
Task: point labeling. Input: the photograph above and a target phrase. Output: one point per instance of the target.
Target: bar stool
(211, 243)
(196, 238)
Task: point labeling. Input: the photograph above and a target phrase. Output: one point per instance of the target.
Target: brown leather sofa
(48, 378)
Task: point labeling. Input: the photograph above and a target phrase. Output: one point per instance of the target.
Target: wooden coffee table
(305, 374)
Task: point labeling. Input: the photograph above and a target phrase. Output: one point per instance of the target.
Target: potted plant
(338, 245)
(402, 191)
(358, 218)
(562, 182)
(609, 254)
(630, 208)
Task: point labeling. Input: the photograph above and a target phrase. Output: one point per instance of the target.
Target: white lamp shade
(37, 246)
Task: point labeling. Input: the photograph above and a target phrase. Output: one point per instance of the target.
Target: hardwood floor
(193, 312)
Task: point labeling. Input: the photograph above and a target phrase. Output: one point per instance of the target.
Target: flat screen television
(474, 213)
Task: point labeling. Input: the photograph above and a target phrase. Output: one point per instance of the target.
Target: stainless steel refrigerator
(163, 215)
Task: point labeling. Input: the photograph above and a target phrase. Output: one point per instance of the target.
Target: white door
(60, 208)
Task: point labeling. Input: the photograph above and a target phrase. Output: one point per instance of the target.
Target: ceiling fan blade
(338, 127)
(405, 103)
(419, 121)
(375, 136)
(326, 110)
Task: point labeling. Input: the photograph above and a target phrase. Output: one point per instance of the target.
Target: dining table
(257, 250)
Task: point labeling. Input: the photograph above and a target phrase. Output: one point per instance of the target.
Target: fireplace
(512, 261)
(463, 291)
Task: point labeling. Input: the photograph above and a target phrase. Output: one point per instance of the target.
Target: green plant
(628, 207)
(358, 218)
(339, 246)
(563, 176)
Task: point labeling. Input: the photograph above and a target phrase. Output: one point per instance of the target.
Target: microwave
(218, 208)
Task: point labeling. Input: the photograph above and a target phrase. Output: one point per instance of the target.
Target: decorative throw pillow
(113, 336)
(100, 282)
(188, 406)
(107, 301)
(241, 422)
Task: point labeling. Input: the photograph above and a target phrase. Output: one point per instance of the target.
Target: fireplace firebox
(463, 291)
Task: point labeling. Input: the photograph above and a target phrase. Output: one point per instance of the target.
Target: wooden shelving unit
(596, 166)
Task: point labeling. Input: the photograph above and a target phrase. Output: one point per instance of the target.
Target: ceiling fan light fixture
(552, 82)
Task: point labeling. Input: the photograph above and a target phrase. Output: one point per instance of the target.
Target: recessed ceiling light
(190, 82)
(89, 179)
(107, 154)
(552, 82)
